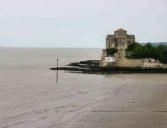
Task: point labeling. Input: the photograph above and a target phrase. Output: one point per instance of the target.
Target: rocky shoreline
(92, 66)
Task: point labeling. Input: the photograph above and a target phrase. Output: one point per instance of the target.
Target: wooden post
(57, 64)
(57, 76)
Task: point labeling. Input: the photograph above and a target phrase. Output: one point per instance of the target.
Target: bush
(111, 51)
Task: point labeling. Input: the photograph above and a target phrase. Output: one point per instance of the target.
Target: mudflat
(139, 102)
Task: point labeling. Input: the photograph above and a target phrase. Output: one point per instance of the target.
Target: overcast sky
(79, 23)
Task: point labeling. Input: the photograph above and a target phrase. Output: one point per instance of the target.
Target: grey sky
(79, 23)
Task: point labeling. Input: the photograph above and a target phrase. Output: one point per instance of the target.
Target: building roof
(120, 37)
(120, 30)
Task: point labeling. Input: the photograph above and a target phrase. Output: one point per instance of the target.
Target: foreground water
(30, 96)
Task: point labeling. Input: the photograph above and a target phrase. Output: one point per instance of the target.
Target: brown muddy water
(30, 96)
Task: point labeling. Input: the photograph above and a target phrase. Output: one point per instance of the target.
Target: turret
(120, 32)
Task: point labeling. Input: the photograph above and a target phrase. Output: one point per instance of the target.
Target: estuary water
(30, 96)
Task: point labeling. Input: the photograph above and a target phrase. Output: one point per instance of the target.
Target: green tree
(162, 50)
(137, 50)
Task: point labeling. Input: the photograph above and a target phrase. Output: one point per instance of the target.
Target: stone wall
(152, 63)
(124, 62)
(121, 62)
(104, 54)
(133, 63)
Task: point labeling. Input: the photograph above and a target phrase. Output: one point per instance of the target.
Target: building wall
(120, 43)
(118, 33)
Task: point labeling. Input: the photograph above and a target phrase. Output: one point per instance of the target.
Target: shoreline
(92, 67)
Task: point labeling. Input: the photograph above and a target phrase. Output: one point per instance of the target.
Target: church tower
(120, 40)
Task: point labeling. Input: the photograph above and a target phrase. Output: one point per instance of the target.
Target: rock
(92, 66)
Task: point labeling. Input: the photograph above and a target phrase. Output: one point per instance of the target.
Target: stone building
(120, 40)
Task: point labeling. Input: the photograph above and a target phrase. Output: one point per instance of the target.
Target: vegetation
(111, 51)
(136, 50)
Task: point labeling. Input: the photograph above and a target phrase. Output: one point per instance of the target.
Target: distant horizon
(46, 47)
(78, 23)
(67, 47)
